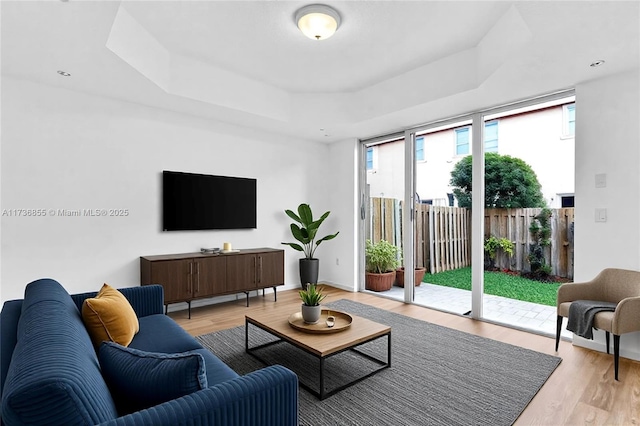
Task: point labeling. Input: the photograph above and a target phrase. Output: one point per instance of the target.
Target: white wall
(608, 141)
(339, 257)
(66, 150)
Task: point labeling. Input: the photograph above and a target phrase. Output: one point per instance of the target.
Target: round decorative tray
(342, 322)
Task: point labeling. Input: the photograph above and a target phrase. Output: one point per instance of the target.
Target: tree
(509, 182)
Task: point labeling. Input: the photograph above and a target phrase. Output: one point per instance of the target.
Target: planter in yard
(381, 260)
(419, 275)
(379, 282)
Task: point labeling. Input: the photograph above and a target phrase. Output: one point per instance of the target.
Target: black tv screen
(196, 202)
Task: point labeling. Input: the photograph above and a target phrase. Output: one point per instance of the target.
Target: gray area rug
(438, 376)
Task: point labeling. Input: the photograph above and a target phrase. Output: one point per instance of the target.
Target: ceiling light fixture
(597, 63)
(64, 73)
(318, 21)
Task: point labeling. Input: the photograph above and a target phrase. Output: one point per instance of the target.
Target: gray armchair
(619, 286)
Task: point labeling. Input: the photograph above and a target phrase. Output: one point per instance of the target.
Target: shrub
(540, 230)
(492, 244)
(381, 257)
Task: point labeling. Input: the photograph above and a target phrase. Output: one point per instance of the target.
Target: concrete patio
(528, 316)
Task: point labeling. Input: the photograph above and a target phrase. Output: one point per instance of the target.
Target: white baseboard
(628, 344)
(339, 286)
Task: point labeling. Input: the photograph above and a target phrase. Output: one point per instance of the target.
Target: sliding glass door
(442, 218)
(529, 232)
(426, 192)
(408, 203)
(383, 208)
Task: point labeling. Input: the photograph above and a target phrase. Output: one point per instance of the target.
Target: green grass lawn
(499, 284)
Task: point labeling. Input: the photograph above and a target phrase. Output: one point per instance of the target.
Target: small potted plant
(311, 298)
(381, 260)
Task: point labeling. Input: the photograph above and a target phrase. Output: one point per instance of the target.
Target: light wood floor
(581, 391)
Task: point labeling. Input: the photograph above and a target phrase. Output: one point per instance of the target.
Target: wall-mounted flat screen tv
(196, 202)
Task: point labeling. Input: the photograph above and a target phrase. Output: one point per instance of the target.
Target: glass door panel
(384, 194)
(530, 148)
(443, 218)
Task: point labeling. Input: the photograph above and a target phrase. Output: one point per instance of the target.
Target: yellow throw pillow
(109, 316)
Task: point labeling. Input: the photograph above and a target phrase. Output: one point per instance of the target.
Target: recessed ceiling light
(597, 63)
(64, 73)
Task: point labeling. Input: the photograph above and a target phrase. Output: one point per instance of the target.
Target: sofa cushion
(109, 316)
(159, 333)
(217, 371)
(140, 379)
(54, 376)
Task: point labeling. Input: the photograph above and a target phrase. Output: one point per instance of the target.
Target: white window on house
(420, 149)
(462, 140)
(491, 136)
(569, 120)
(370, 158)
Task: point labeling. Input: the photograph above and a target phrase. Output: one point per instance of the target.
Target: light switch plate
(601, 215)
(601, 180)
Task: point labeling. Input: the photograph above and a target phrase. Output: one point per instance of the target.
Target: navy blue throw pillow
(139, 379)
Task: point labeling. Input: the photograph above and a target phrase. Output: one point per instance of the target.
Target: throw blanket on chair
(582, 313)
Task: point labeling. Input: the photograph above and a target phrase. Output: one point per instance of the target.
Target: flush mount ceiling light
(597, 63)
(317, 21)
(64, 73)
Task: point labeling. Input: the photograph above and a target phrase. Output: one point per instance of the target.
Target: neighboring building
(544, 138)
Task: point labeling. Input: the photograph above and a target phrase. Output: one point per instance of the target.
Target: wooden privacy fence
(513, 224)
(443, 240)
(385, 220)
(443, 235)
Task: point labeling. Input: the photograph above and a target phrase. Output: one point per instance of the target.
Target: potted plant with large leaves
(305, 231)
(381, 260)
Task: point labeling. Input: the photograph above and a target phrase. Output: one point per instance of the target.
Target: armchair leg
(558, 330)
(606, 336)
(616, 353)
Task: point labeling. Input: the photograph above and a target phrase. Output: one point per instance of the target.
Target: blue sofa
(50, 372)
